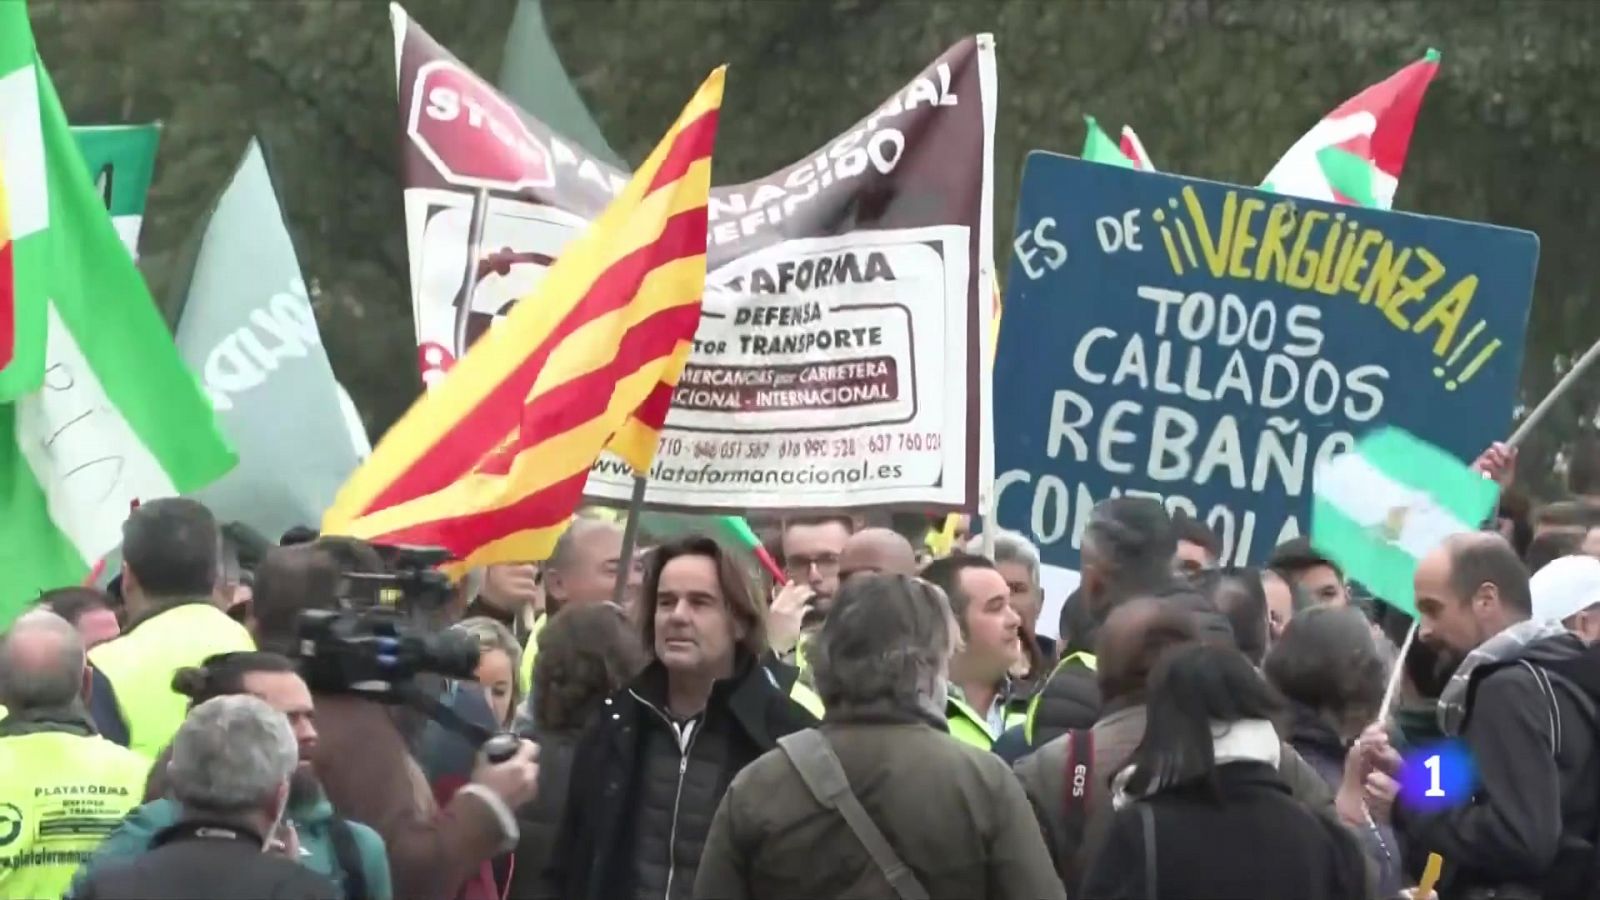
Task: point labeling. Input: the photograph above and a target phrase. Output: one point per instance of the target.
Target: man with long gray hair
(956, 812)
(230, 769)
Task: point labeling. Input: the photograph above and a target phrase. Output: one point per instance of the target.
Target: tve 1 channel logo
(1438, 776)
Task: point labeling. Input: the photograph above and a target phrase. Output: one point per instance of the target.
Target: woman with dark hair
(586, 654)
(349, 853)
(1238, 593)
(1201, 811)
(1333, 672)
(648, 776)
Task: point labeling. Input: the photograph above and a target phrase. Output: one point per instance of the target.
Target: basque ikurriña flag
(492, 461)
(1355, 154)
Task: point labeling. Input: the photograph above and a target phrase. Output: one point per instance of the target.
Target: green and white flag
(1391, 500)
(1099, 147)
(122, 161)
(119, 417)
(1128, 153)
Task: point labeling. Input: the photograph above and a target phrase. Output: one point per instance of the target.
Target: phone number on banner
(840, 447)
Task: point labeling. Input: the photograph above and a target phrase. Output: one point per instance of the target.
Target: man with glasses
(1198, 547)
(809, 551)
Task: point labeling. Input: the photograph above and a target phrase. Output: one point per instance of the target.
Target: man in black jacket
(648, 776)
(230, 769)
(1517, 700)
(1128, 549)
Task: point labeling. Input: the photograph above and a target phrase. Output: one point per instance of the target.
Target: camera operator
(364, 758)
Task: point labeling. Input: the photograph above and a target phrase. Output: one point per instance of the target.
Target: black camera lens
(450, 653)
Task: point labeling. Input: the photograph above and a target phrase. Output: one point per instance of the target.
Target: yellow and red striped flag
(491, 463)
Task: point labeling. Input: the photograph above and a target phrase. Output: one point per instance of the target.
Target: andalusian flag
(1380, 508)
(1355, 154)
(1129, 154)
(25, 200)
(491, 462)
(118, 417)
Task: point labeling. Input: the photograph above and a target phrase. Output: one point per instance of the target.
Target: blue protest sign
(1211, 344)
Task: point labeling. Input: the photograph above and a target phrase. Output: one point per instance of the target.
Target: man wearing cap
(1568, 591)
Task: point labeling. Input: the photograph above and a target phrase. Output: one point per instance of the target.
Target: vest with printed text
(60, 796)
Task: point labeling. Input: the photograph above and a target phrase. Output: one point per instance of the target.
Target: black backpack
(1575, 864)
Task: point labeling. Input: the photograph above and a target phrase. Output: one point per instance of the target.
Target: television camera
(378, 640)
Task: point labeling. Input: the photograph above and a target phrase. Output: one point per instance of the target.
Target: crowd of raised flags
(1354, 155)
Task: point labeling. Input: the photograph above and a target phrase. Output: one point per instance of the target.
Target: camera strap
(438, 711)
(205, 830)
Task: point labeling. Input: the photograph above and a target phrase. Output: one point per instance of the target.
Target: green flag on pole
(1391, 500)
(1099, 147)
(119, 417)
(121, 161)
(732, 531)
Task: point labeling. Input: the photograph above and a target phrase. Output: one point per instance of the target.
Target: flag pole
(630, 539)
(1549, 400)
(469, 283)
(1394, 677)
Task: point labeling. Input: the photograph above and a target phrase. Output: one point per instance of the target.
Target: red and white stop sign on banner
(471, 134)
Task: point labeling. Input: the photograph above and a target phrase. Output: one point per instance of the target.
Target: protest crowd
(698, 576)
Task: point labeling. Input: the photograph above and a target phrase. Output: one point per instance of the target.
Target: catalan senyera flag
(491, 463)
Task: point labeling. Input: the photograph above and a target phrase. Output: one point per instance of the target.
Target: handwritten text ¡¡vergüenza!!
(1311, 250)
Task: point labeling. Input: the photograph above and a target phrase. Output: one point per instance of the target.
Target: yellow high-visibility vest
(967, 726)
(1082, 658)
(529, 651)
(140, 664)
(61, 794)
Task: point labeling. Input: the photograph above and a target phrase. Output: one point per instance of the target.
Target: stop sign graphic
(473, 137)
